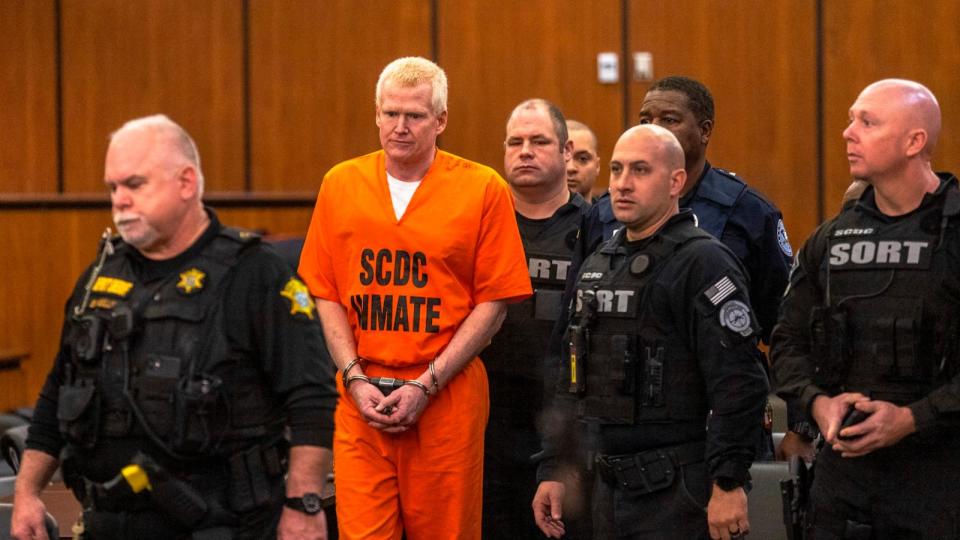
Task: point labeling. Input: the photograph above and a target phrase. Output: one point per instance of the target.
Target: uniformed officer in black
(548, 215)
(870, 324)
(187, 347)
(661, 335)
(740, 216)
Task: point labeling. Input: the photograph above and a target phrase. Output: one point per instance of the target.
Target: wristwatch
(309, 504)
(727, 483)
(806, 429)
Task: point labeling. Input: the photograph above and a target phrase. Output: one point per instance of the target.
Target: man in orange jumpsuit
(412, 254)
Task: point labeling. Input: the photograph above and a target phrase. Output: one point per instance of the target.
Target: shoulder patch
(299, 296)
(191, 281)
(720, 290)
(783, 240)
(735, 315)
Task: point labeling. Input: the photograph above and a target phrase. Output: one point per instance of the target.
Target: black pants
(677, 512)
(115, 522)
(509, 480)
(149, 525)
(906, 492)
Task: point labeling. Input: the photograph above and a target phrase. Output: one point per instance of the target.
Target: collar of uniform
(605, 209)
(149, 269)
(868, 199)
(618, 242)
(574, 203)
(685, 200)
(711, 186)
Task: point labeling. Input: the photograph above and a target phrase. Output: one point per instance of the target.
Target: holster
(649, 471)
(250, 474)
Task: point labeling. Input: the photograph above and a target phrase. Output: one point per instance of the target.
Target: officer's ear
(916, 141)
(677, 179)
(706, 130)
(188, 180)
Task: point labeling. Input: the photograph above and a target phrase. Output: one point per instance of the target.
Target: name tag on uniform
(545, 269)
(860, 253)
(612, 302)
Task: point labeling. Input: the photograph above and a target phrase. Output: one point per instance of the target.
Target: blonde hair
(414, 71)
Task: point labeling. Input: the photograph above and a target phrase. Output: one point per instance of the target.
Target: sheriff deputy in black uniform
(662, 334)
(868, 334)
(548, 215)
(186, 348)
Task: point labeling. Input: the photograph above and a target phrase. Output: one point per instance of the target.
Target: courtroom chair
(763, 502)
(12, 443)
(779, 413)
(8, 421)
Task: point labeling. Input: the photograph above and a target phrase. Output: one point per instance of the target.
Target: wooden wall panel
(28, 96)
(919, 41)
(758, 58)
(498, 53)
(273, 221)
(127, 59)
(313, 68)
(44, 253)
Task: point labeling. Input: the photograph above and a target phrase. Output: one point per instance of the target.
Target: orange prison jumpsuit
(407, 285)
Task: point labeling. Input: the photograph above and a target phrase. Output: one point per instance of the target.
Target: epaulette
(244, 236)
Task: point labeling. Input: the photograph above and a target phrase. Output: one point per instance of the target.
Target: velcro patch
(111, 285)
(735, 316)
(720, 290)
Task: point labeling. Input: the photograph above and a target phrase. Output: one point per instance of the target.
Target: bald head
(646, 177)
(668, 149)
(915, 107)
(166, 140)
(576, 125)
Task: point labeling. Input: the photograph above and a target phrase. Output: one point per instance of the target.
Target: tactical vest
(888, 326)
(529, 323)
(636, 368)
(151, 360)
(715, 198)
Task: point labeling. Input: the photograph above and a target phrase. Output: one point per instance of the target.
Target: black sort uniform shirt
(739, 216)
(261, 326)
(734, 383)
(793, 365)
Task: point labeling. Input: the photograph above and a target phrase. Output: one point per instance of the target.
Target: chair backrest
(779, 413)
(764, 504)
(778, 438)
(12, 443)
(6, 513)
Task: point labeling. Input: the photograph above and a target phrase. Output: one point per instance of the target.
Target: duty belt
(648, 471)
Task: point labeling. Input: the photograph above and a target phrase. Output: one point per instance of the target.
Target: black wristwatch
(309, 504)
(727, 483)
(806, 429)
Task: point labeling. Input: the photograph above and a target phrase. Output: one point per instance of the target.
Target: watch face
(311, 503)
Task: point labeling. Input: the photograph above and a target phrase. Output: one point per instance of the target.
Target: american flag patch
(720, 290)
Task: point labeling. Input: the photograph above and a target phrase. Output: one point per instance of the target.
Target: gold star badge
(299, 296)
(191, 281)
